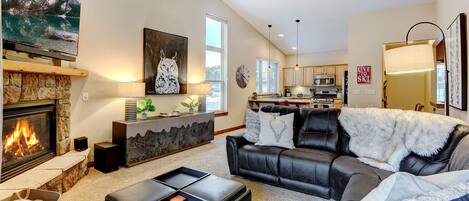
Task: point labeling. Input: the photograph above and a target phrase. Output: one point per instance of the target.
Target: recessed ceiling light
(281, 35)
(293, 48)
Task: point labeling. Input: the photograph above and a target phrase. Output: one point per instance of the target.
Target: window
(215, 62)
(440, 83)
(266, 79)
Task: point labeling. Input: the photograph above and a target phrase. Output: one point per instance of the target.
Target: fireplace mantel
(30, 67)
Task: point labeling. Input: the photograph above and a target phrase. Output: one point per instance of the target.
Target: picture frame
(165, 63)
(364, 74)
(456, 45)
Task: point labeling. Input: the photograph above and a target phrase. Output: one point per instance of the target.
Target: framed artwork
(363, 74)
(456, 49)
(165, 63)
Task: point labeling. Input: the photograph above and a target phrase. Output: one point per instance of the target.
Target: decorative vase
(144, 115)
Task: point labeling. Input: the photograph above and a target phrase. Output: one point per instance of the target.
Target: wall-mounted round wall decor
(242, 76)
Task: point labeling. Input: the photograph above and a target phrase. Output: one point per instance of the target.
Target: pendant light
(297, 67)
(269, 67)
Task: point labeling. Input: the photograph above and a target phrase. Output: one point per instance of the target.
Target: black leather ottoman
(213, 188)
(206, 188)
(148, 190)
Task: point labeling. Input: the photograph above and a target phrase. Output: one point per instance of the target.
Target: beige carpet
(210, 158)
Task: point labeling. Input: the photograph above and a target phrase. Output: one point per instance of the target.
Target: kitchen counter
(280, 101)
(298, 102)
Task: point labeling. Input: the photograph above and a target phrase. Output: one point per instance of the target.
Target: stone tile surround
(24, 87)
(59, 174)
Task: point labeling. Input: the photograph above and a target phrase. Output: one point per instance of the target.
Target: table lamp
(415, 58)
(131, 91)
(201, 90)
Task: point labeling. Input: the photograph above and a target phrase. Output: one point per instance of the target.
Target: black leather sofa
(322, 164)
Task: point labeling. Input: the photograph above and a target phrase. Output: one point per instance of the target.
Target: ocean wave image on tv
(47, 24)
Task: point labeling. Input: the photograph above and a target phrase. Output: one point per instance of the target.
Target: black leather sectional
(322, 164)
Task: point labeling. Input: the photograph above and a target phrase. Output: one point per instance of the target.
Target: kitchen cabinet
(305, 75)
(299, 77)
(324, 70)
(288, 77)
(319, 70)
(339, 74)
(308, 76)
(330, 70)
(292, 77)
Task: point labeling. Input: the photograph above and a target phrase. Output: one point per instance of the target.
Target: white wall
(318, 58)
(111, 48)
(366, 35)
(447, 11)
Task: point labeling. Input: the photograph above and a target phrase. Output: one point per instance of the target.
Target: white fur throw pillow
(276, 130)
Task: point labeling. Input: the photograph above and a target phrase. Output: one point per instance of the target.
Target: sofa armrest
(359, 186)
(233, 143)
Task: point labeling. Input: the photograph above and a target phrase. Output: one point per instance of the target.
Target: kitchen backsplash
(306, 91)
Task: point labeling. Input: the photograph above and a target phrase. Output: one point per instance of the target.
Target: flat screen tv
(52, 25)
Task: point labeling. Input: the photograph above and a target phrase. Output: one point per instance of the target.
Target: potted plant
(191, 104)
(146, 106)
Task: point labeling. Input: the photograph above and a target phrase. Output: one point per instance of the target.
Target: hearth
(29, 136)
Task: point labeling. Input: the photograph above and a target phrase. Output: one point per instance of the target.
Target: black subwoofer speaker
(106, 157)
(80, 144)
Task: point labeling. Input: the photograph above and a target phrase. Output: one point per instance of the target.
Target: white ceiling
(323, 24)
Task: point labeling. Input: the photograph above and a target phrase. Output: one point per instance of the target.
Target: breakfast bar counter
(298, 102)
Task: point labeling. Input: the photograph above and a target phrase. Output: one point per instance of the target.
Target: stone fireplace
(36, 120)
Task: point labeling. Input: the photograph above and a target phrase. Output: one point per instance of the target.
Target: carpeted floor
(210, 158)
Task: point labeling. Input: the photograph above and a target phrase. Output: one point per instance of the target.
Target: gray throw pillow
(253, 126)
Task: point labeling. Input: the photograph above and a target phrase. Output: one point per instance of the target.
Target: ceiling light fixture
(297, 67)
(293, 48)
(270, 28)
(281, 35)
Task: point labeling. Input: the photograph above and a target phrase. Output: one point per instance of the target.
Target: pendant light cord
(269, 67)
(297, 41)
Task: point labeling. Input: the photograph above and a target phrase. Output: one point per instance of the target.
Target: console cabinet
(157, 137)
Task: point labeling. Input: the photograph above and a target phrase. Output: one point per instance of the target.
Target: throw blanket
(384, 137)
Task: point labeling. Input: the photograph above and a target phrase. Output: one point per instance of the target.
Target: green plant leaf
(140, 110)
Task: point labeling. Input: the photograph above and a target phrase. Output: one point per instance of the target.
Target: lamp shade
(409, 59)
(200, 89)
(131, 90)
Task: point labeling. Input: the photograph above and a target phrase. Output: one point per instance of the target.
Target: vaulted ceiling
(323, 24)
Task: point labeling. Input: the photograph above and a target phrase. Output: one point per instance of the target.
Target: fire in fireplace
(28, 137)
(21, 142)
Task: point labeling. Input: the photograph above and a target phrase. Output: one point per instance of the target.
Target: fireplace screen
(28, 134)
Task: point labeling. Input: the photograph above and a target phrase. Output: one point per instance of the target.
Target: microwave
(324, 80)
